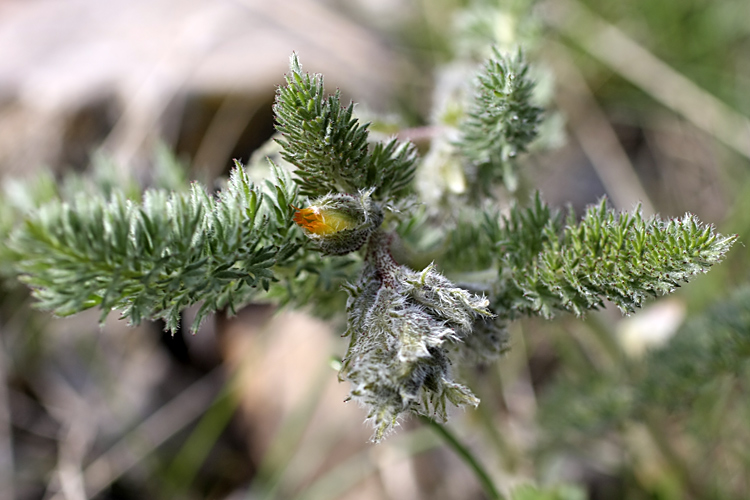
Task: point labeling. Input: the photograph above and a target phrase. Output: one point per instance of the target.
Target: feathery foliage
(104, 177)
(501, 121)
(330, 147)
(152, 260)
(547, 268)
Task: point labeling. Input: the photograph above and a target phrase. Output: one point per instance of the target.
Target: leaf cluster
(103, 177)
(547, 267)
(330, 147)
(155, 258)
(501, 121)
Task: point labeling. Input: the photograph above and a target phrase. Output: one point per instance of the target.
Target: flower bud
(340, 223)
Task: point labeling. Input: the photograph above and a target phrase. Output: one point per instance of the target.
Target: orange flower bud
(340, 223)
(322, 221)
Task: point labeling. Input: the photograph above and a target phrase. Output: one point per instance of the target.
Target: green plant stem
(467, 456)
(183, 469)
(506, 451)
(659, 435)
(272, 469)
(508, 454)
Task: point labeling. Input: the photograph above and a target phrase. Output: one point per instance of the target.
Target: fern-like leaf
(330, 147)
(501, 121)
(615, 256)
(153, 259)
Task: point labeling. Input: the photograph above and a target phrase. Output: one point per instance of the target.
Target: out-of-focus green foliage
(702, 39)
(693, 380)
(562, 492)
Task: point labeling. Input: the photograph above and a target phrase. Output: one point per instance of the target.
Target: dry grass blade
(598, 139)
(633, 62)
(151, 433)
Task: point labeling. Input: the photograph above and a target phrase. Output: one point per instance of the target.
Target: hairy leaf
(330, 147)
(153, 259)
(619, 257)
(501, 121)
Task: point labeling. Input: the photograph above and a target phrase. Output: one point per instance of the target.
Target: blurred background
(648, 102)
